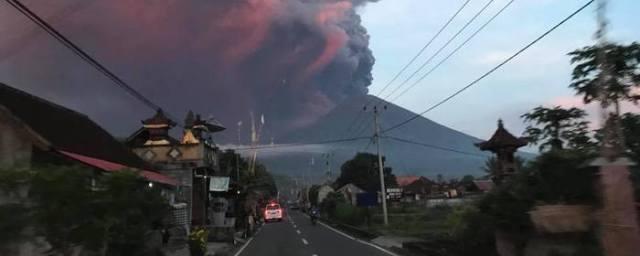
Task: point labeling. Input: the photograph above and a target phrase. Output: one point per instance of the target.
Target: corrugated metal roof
(114, 167)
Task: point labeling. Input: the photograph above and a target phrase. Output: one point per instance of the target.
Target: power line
(434, 146)
(368, 145)
(424, 64)
(81, 53)
(301, 144)
(453, 52)
(413, 59)
(491, 70)
(441, 48)
(424, 47)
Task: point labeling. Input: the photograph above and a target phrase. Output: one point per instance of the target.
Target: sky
(182, 54)
(540, 76)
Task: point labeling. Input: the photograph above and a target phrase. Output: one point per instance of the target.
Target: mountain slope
(404, 158)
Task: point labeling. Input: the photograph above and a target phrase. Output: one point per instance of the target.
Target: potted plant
(198, 241)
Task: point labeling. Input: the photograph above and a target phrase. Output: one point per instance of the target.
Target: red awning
(113, 167)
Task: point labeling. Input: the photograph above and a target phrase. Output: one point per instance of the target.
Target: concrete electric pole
(376, 137)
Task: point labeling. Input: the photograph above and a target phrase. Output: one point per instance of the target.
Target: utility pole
(328, 163)
(376, 137)
(619, 235)
(238, 157)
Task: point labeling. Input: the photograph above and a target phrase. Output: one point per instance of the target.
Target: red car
(273, 211)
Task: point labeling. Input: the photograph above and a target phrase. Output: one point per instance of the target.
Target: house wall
(15, 145)
(181, 168)
(323, 192)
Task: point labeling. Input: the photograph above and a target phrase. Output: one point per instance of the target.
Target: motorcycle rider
(314, 214)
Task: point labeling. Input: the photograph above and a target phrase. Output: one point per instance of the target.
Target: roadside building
(483, 185)
(34, 131)
(350, 193)
(191, 160)
(415, 188)
(323, 191)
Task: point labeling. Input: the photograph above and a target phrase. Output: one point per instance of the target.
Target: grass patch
(413, 221)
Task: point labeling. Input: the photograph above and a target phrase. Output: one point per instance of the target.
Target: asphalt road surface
(295, 236)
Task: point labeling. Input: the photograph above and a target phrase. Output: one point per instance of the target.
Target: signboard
(394, 194)
(219, 184)
(367, 199)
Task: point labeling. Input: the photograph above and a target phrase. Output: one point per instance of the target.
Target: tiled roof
(406, 180)
(159, 118)
(483, 185)
(502, 138)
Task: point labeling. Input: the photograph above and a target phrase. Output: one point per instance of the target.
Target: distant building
(483, 185)
(350, 193)
(192, 160)
(415, 188)
(35, 131)
(323, 191)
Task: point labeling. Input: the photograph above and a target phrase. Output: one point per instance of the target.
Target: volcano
(452, 153)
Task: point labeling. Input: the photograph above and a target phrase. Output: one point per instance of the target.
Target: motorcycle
(314, 217)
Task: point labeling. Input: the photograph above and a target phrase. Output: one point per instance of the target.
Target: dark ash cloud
(292, 60)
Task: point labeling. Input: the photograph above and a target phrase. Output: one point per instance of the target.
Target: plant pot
(560, 218)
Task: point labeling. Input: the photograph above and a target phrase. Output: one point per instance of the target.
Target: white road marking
(298, 231)
(358, 240)
(304, 241)
(315, 255)
(247, 243)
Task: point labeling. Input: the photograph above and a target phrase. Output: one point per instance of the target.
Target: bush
(351, 215)
(329, 204)
(564, 176)
(66, 210)
(473, 231)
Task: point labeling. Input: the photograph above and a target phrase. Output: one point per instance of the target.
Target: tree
(114, 216)
(467, 182)
(362, 171)
(128, 210)
(329, 204)
(313, 194)
(630, 124)
(553, 128)
(622, 63)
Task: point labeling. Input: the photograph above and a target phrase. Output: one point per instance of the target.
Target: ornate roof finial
(500, 125)
(188, 121)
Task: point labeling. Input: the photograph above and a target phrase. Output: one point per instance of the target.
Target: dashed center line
(298, 231)
(315, 255)
(304, 241)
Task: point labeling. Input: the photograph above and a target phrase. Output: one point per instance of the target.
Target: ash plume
(291, 60)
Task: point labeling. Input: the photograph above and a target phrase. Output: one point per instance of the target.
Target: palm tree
(622, 63)
(552, 128)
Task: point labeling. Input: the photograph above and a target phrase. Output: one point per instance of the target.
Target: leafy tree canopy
(363, 172)
(554, 128)
(622, 63)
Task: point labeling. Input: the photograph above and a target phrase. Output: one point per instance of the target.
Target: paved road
(295, 236)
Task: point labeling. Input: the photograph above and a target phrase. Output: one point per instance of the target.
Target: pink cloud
(592, 109)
